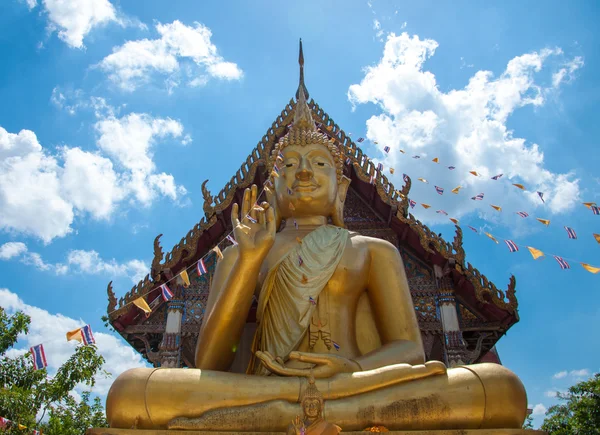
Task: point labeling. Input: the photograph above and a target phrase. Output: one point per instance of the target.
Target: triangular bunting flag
(491, 237)
(597, 237)
(426, 206)
(142, 305)
(392, 171)
(535, 253)
(423, 180)
(520, 186)
(402, 151)
(454, 220)
(590, 268)
(217, 251)
(456, 189)
(474, 173)
(589, 204)
(544, 221)
(435, 160)
(185, 278)
(83, 335)
(496, 207)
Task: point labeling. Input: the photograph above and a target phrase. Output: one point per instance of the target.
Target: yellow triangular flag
(142, 305)
(218, 252)
(590, 268)
(491, 237)
(597, 237)
(423, 180)
(474, 173)
(291, 206)
(435, 160)
(75, 334)
(544, 221)
(454, 220)
(402, 151)
(21, 427)
(185, 278)
(535, 253)
(496, 207)
(392, 171)
(589, 204)
(426, 206)
(400, 194)
(375, 142)
(520, 186)
(456, 189)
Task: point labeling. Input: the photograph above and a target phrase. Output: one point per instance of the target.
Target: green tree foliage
(25, 392)
(74, 418)
(580, 412)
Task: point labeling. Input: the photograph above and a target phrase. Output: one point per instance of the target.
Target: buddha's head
(311, 401)
(310, 179)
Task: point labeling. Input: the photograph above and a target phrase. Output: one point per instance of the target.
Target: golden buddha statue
(313, 422)
(311, 280)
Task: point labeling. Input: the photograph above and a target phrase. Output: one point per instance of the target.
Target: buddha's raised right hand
(254, 229)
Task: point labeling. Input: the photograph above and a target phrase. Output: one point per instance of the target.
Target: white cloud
(12, 249)
(50, 329)
(465, 128)
(560, 375)
(30, 3)
(566, 74)
(553, 393)
(538, 410)
(77, 261)
(133, 63)
(40, 193)
(573, 373)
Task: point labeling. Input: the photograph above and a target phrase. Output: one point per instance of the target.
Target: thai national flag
(439, 190)
(201, 267)
(541, 195)
(561, 261)
(416, 157)
(386, 149)
(478, 197)
(452, 168)
(496, 177)
(405, 178)
(348, 161)
(167, 294)
(412, 203)
(442, 212)
(39, 357)
(311, 300)
(231, 239)
(571, 233)
(512, 247)
(337, 346)
(87, 336)
(474, 229)
(523, 214)
(361, 139)
(380, 167)
(595, 210)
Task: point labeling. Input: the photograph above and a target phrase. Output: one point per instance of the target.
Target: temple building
(461, 313)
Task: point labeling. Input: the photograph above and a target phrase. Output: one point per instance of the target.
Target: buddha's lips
(305, 187)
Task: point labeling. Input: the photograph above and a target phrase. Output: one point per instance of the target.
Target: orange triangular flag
(544, 221)
(456, 189)
(435, 160)
(520, 186)
(496, 207)
(291, 206)
(589, 204)
(392, 171)
(474, 173)
(535, 253)
(75, 334)
(426, 206)
(423, 180)
(597, 237)
(454, 220)
(142, 305)
(491, 237)
(590, 268)
(218, 252)
(185, 278)
(402, 151)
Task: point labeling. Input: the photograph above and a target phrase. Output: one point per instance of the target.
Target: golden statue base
(108, 431)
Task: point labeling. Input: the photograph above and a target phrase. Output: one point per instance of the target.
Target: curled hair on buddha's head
(311, 392)
(304, 132)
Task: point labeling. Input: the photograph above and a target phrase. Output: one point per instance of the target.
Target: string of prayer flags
(166, 292)
(380, 167)
(386, 149)
(413, 203)
(360, 139)
(512, 246)
(201, 267)
(426, 206)
(232, 240)
(423, 180)
(595, 210)
(452, 168)
(439, 190)
(280, 156)
(541, 195)
(442, 212)
(589, 204)
(520, 186)
(142, 305)
(535, 253)
(591, 269)
(473, 229)
(217, 251)
(571, 233)
(474, 173)
(39, 357)
(454, 221)
(251, 219)
(562, 262)
(523, 214)
(435, 160)
(497, 177)
(83, 335)
(275, 171)
(544, 221)
(496, 207)
(478, 197)
(491, 237)
(456, 189)
(597, 237)
(185, 277)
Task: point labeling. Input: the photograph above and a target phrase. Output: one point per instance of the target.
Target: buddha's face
(312, 408)
(308, 180)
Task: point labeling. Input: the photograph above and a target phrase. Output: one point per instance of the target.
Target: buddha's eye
(289, 165)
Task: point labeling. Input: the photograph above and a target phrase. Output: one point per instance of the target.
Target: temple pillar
(456, 348)
(169, 349)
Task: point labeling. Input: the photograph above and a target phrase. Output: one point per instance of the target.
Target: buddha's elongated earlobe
(272, 200)
(338, 209)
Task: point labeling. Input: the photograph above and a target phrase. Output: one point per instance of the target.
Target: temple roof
(381, 196)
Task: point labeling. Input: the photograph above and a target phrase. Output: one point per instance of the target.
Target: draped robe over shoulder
(290, 292)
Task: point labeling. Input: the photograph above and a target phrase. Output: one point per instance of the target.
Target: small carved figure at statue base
(313, 422)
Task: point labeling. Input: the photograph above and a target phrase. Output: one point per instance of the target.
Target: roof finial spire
(301, 63)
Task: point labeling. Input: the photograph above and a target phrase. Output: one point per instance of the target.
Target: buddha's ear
(272, 200)
(338, 210)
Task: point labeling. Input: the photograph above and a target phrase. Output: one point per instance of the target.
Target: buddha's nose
(304, 171)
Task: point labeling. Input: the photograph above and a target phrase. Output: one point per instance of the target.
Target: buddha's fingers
(246, 204)
(253, 202)
(310, 358)
(235, 217)
(271, 221)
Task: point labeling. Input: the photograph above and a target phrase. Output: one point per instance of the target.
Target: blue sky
(114, 113)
